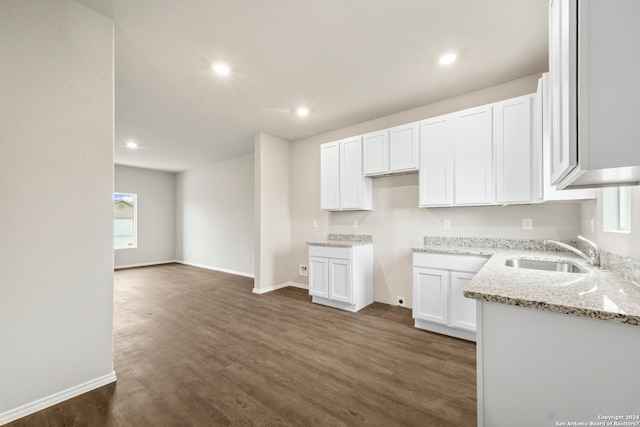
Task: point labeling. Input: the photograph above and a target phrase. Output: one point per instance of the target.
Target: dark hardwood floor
(195, 347)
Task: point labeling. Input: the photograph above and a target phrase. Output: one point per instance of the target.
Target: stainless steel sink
(536, 264)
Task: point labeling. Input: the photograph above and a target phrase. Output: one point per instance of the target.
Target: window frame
(616, 209)
(135, 220)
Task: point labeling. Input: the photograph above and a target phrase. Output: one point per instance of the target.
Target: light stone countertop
(601, 294)
(344, 240)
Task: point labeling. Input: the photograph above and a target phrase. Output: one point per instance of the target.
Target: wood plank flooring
(195, 347)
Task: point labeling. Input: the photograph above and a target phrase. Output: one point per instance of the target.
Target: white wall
(214, 215)
(396, 222)
(56, 173)
(156, 192)
(624, 244)
(273, 223)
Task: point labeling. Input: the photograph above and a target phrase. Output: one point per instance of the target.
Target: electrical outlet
(401, 301)
(248, 257)
(527, 223)
(354, 223)
(314, 224)
(592, 225)
(446, 224)
(304, 270)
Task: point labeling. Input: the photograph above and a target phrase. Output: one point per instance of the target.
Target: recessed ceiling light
(221, 69)
(302, 111)
(131, 145)
(448, 58)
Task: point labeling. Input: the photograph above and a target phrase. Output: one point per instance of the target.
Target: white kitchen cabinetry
(341, 277)
(404, 148)
(473, 157)
(375, 150)
(330, 176)
(542, 134)
(594, 89)
(542, 355)
(342, 184)
(517, 158)
(439, 304)
(391, 150)
(463, 309)
(436, 161)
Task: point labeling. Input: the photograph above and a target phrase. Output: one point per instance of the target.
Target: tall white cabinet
(594, 90)
(342, 184)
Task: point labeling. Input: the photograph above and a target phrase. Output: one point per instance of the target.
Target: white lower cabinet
(439, 304)
(341, 277)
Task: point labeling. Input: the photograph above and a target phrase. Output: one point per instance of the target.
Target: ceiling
(348, 61)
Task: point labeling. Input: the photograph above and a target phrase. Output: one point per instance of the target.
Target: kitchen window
(125, 235)
(616, 209)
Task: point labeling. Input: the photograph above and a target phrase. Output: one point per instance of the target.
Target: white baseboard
(280, 286)
(224, 270)
(45, 402)
(146, 264)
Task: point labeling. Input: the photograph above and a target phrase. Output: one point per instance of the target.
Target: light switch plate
(446, 224)
(527, 223)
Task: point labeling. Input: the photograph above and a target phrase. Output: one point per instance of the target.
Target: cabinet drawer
(470, 263)
(330, 252)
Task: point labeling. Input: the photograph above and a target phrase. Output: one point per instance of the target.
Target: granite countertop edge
(339, 244)
(567, 293)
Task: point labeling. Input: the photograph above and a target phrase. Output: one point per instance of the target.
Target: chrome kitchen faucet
(594, 254)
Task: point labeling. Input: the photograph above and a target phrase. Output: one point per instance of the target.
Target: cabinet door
(473, 157)
(463, 309)
(375, 153)
(319, 277)
(351, 178)
(563, 71)
(512, 138)
(404, 147)
(430, 294)
(550, 192)
(436, 161)
(330, 176)
(340, 286)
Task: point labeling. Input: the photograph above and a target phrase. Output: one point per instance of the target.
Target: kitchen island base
(540, 368)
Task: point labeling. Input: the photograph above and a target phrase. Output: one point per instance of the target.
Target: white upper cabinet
(330, 176)
(375, 150)
(473, 156)
(513, 144)
(594, 89)
(564, 155)
(436, 161)
(404, 148)
(542, 135)
(342, 184)
(391, 150)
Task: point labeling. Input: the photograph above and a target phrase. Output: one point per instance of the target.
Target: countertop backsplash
(488, 242)
(359, 238)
